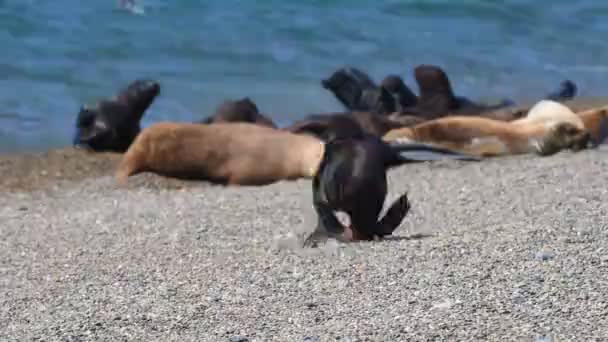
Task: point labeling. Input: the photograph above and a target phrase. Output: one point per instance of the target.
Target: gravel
(511, 249)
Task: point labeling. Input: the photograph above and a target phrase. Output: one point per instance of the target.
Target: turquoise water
(59, 54)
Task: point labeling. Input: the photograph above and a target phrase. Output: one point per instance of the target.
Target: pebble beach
(509, 249)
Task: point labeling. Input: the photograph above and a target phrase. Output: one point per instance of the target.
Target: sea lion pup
(326, 126)
(242, 110)
(112, 124)
(230, 153)
(357, 92)
(548, 128)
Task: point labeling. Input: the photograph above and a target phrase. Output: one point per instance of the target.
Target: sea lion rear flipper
(418, 152)
(394, 215)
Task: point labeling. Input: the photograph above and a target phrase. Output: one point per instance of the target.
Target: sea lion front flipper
(328, 227)
(419, 152)
(394, 215)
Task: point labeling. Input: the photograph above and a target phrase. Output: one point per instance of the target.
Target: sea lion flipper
(328, 226)
(418, 152)
(394, 215)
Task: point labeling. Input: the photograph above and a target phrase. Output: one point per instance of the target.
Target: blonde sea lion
(548, 128)
(225, 153)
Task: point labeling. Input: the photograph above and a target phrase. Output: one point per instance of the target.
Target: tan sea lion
(225, 153)
(548, 128)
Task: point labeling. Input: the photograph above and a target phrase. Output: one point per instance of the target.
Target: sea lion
(225, 153)
(567, 90)
(548, 128)
(356, 91)
(327, 126)
(437, 98)
(112, 124)
(352, 179)
(241, 110)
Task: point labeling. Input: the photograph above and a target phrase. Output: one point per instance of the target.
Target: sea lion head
(138, 96)
(348, 84)
(564, 135)
(433, 81)
(112, 124)
(404, 97)
(242, 110)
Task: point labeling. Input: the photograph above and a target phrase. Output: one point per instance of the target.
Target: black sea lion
(224, 153)
(357, 92)
(352, 178)
(242, 110)
(548, 128)
(112, 124)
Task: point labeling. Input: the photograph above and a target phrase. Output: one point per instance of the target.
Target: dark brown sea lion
(437, 98)
(112, 124)
(224, 153)
(242, 110)
(548, 128)
(357, 92)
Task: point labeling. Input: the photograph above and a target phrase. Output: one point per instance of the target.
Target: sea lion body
(548, 128)
(225, 153)
(242, 110)
(112, 124)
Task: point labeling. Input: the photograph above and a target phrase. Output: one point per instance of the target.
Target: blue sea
(57, 55)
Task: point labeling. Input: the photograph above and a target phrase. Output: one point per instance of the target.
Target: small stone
(238, 339)
(544, 255)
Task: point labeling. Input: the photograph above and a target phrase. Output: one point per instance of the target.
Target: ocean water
(59, 54)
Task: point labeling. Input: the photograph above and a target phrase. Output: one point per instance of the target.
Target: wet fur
(224, 153)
